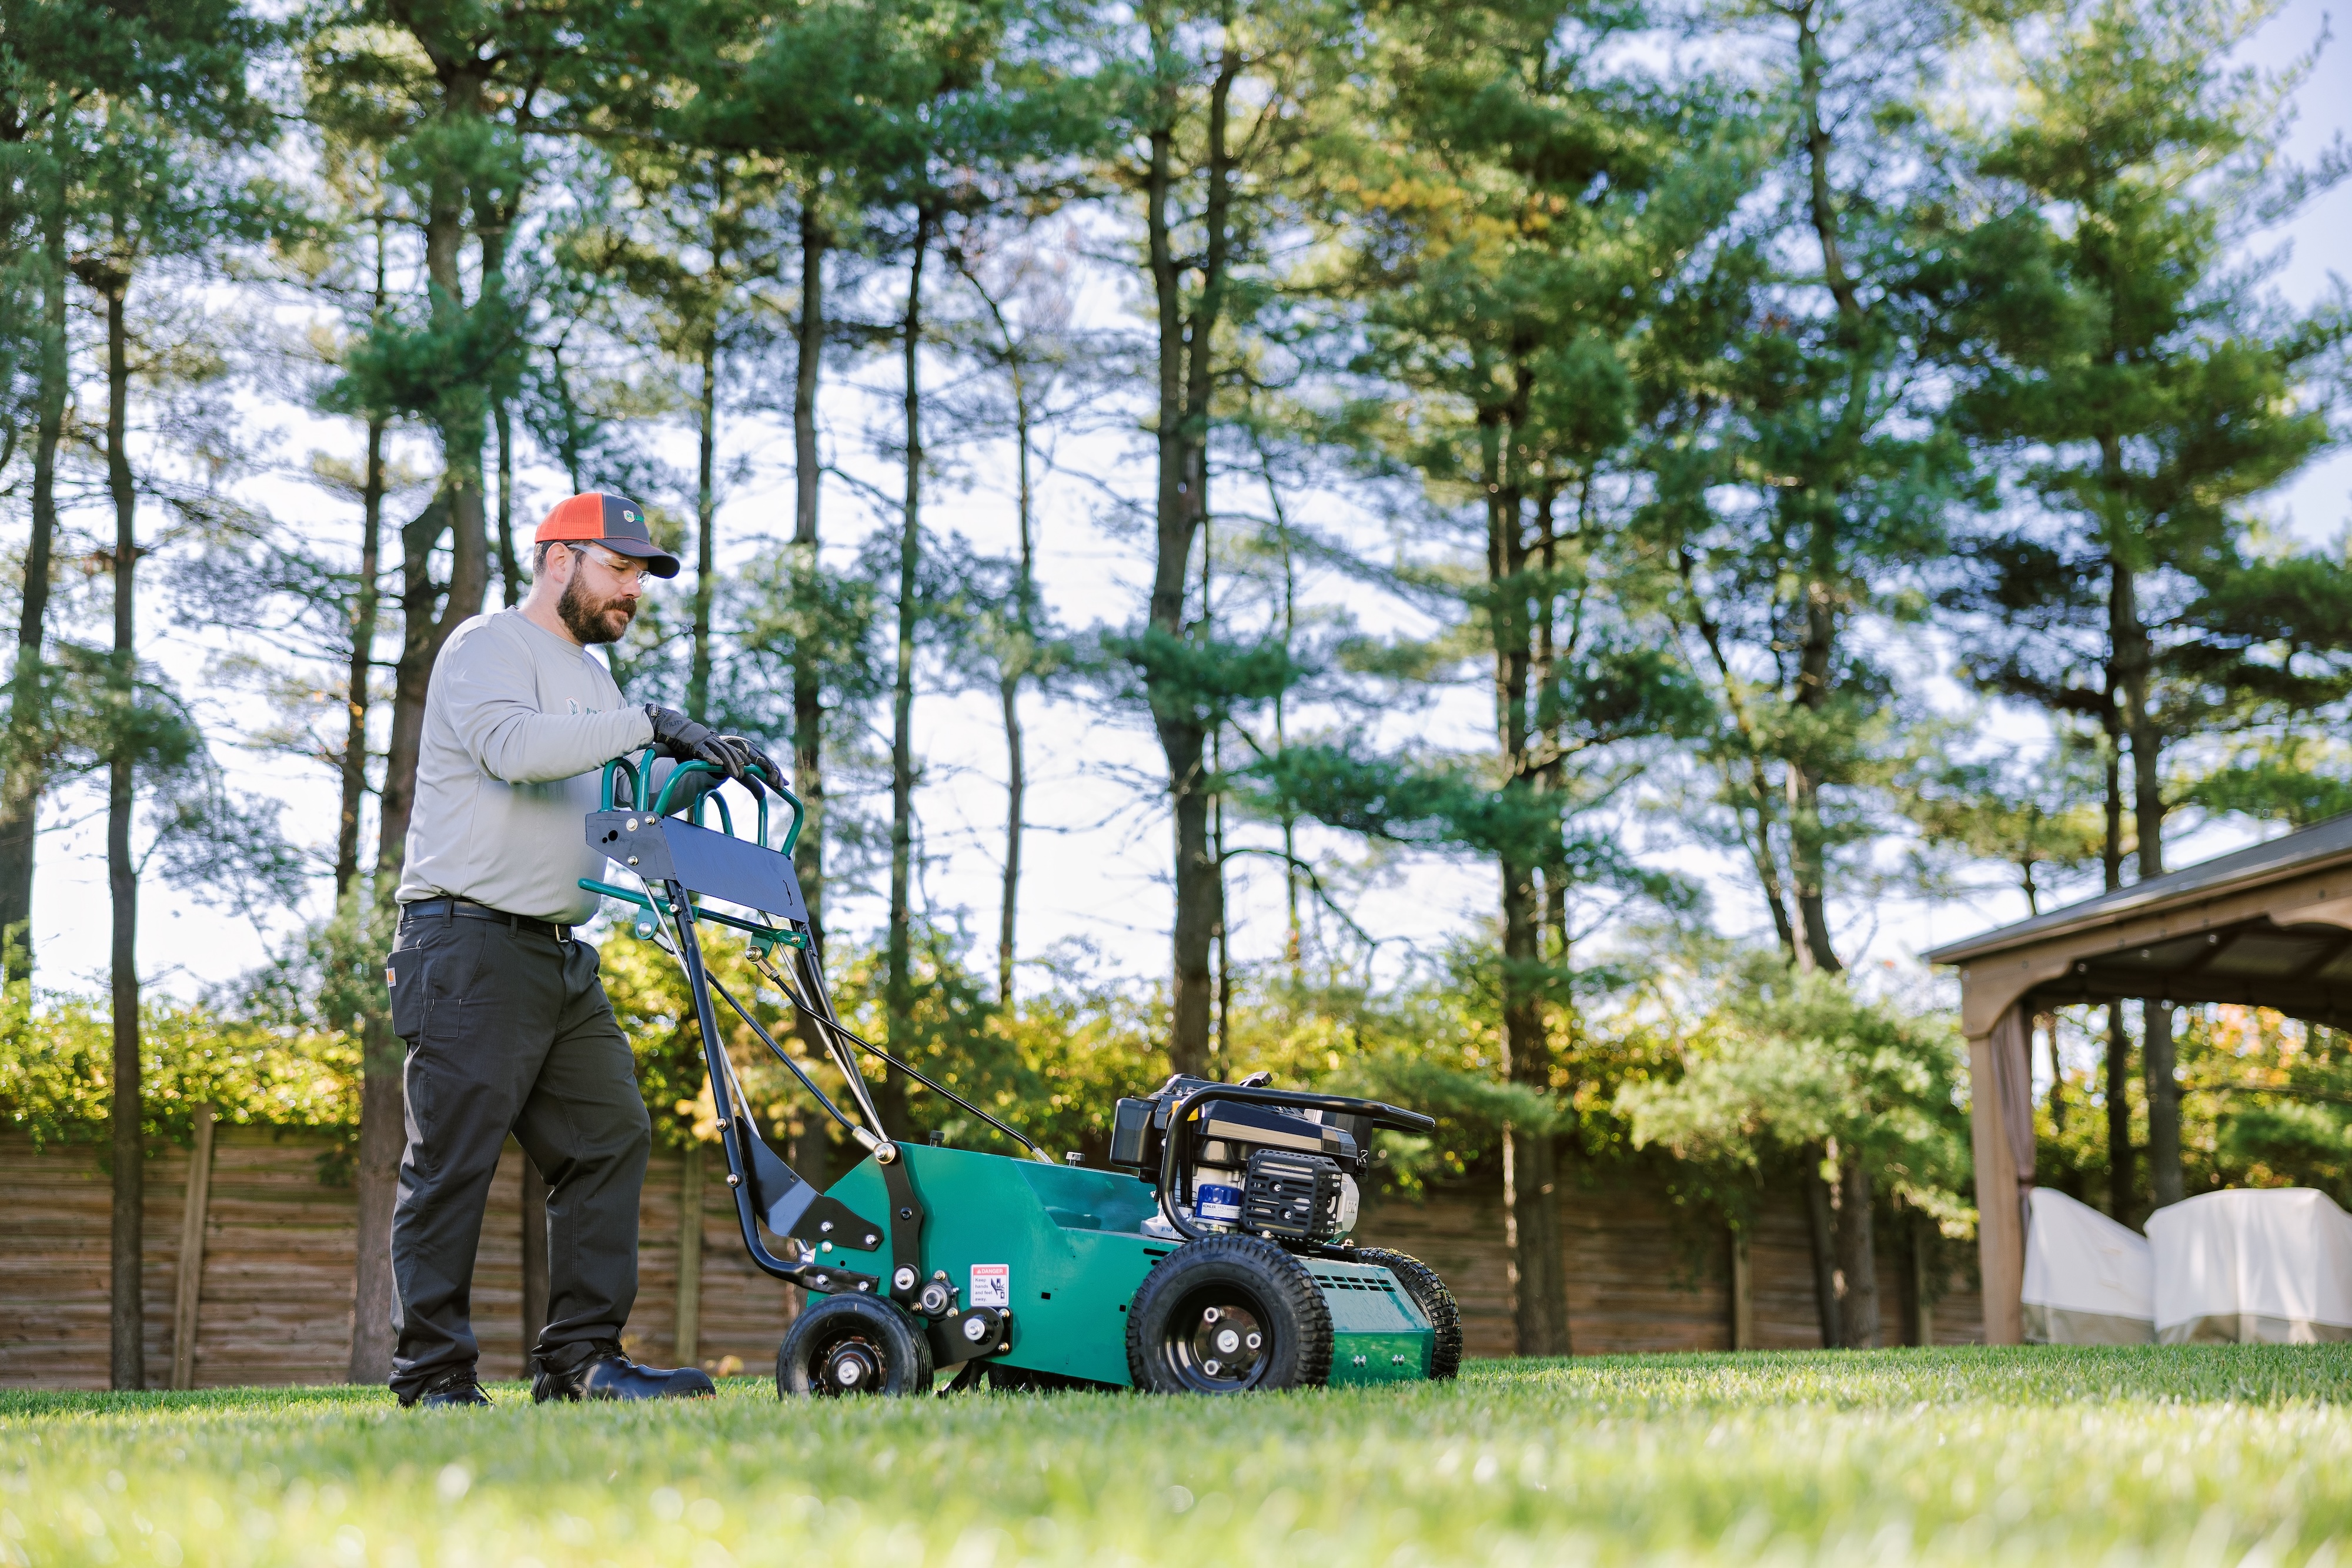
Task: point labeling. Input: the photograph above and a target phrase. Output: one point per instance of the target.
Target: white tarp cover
(2088, 1281)
(2260, 1266)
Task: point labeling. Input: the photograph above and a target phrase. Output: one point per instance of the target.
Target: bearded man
(507, 1025)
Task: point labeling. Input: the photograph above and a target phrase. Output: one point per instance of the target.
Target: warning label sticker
(991, 1285)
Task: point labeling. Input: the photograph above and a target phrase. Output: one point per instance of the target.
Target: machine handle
(661, 806)
(617, 766)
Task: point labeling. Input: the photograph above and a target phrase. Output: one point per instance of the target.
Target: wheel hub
(851, 1366)
(1220, 1346)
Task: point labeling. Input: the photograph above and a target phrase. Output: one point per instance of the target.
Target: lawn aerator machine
(1212, 1255)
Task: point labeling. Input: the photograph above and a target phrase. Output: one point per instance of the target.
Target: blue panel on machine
(718, 864)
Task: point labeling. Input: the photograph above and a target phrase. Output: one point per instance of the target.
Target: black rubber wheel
(854, 1345)
(1226, 1314)
(1428, 1290)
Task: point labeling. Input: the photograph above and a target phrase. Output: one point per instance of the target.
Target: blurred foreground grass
(2223, 1455)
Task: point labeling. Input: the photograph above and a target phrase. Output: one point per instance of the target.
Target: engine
(1277, 1171)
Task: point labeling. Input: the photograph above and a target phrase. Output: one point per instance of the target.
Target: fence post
(198, 1200)
(689, 1257)
(1743, 1294)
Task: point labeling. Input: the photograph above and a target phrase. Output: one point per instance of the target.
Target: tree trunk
(459, 509)
(706, 541)
(1016, 786)
(1186, 382)
(2049, 1023)
(23, 768)
(383, 1104)
(2157, 1062)
(1807, 854)
(1857, 1254)
(1020, 644)
(126, 1316)
(509, 570)
(1821, 1224)
(899, 990)
(2120, 1197)
(359, 676)
(1221, 935)
(1024, 643)
(1816, 660)
(2127, 633)
(1539, 1307)
(808, 711)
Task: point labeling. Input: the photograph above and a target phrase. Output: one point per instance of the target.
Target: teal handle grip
(617, 766)
(661, 805)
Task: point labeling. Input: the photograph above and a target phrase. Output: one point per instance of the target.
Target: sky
(1094, 897)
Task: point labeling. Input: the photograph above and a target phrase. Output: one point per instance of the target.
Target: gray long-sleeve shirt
(517, 723)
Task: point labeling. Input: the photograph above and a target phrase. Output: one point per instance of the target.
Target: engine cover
(1292, 1195)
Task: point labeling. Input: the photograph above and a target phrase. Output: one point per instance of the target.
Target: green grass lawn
(2226, 1456)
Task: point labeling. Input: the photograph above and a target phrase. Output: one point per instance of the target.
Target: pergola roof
(2267, 926)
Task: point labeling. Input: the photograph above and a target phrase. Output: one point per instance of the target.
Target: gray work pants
(509, 1032)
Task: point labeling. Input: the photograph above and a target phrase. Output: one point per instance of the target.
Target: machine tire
(1428, 1291)
(1228, 1287)
(854, 1345)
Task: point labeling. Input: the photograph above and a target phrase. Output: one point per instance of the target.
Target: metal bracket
(905, 1225)
(969, 1335)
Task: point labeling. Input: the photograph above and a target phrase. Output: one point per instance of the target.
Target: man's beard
(602, 621)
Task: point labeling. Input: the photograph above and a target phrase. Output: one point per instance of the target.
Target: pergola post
(2000, 1232)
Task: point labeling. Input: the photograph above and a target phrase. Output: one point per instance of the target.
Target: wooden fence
(270, 1301)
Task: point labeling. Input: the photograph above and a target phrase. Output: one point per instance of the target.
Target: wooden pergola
(2266, 926)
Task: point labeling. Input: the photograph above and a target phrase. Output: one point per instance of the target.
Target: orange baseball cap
(614, 521)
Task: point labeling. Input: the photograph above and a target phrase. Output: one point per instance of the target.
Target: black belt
(467, 909)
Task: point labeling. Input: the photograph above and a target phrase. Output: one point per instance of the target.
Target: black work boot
(450, 1388)
(608, 1374)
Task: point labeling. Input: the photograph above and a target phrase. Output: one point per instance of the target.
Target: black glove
(681, 739)
(769, 772)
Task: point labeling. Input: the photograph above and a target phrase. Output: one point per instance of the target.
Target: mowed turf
(2224, 1456)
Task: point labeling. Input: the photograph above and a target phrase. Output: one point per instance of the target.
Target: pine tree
(2145, 388)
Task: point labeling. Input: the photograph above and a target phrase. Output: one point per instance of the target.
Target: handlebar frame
(640, 777)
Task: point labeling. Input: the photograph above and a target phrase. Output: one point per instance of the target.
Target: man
(507, 1025)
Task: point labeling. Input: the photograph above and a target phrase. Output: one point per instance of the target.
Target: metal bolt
(734, 1180)
(633, 859)
(1074, 1158)
(1211, 1315)
(871, 1239)
(1211, 1367)
(975, 1329)
(632, 824)
(904, 1279)
(827, 1225)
